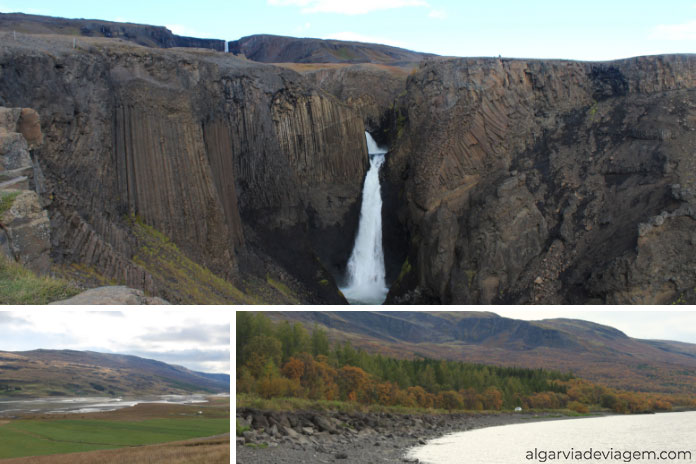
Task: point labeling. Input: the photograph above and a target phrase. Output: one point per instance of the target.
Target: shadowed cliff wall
(547, 181)
(205, 148)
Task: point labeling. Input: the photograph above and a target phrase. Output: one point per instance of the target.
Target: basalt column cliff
(547, 181)
(160, 165)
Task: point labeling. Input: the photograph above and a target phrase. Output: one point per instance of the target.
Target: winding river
(68, 405)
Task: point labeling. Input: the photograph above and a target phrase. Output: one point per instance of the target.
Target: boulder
(27, 232)
(14, 151)
(116, 295)
(29, 125)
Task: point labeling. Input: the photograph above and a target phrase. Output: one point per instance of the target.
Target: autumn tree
(293, 369)
(450, 400)
(352, 382)
(422, 398)
(492, 398)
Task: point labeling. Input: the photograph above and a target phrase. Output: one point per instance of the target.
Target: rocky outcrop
(369, 88)
(296, 437)
(141, 34)
(25, 234)
(247, 168)
(547, 181)
(116, 295)
(279, 49)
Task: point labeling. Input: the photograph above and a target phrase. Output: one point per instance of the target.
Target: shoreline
(308, 437)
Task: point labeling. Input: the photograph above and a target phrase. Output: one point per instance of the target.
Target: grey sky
(662, 324)
(194, 338)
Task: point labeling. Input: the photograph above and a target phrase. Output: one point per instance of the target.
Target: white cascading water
(365, 270)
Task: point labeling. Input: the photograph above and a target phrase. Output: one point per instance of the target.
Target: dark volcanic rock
(246, 167)
(547, 181)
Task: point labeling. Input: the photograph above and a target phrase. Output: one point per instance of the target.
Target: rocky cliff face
(24, 225)
(369, 88)
(247, 168)
(547, 181)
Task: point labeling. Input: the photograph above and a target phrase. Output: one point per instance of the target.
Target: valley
(56, 402)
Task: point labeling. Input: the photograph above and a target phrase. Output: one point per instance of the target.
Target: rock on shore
(303, 437)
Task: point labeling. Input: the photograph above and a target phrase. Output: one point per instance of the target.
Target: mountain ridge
(270, 48)
(591, 350)
(71, 372)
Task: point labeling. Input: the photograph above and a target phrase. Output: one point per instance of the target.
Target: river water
(531, 443)
(63, 405)
(365, 281)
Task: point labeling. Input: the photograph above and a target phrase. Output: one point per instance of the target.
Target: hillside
(84, 373)
(592, 351)
(268, 48)
(141, 34)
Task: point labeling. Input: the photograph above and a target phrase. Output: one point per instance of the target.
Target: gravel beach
(363, 438)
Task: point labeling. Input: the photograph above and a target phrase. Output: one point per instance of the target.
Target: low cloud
(7, 319)
(208, 334)
(213, 361)
(354, 7)
(684, 31)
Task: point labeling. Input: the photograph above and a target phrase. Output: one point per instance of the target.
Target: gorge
(202, 176)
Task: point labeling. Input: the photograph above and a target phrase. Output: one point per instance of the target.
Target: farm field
(215, 450)
(133, 427)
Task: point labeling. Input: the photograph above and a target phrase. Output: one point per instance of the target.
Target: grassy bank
(301, 404)
(20, 286)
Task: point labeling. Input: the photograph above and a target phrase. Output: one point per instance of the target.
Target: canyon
(203, 176)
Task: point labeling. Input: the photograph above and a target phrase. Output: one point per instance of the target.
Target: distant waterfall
(365, 271)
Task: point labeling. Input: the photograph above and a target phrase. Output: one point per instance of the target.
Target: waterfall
(365, 270)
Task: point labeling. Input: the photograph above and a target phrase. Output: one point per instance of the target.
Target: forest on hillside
(284, 360)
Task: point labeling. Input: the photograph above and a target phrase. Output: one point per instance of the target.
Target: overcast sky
(661, 324)
(193, 338)
(587, 30)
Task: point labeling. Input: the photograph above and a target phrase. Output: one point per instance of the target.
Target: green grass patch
(240, 429)
(6, 200)
(36, 437)
(283, 289)
(257, 445)
(405, 269)
(185, 280)
(19, 285)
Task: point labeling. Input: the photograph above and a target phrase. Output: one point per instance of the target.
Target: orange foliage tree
(352, 382)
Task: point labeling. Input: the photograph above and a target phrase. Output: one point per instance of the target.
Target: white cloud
(353, 37)
(677, 325)
(155, 334)
(685, 31)
(437, 14)
(350, 7)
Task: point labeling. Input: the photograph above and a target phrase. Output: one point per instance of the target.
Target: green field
(40, 437)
